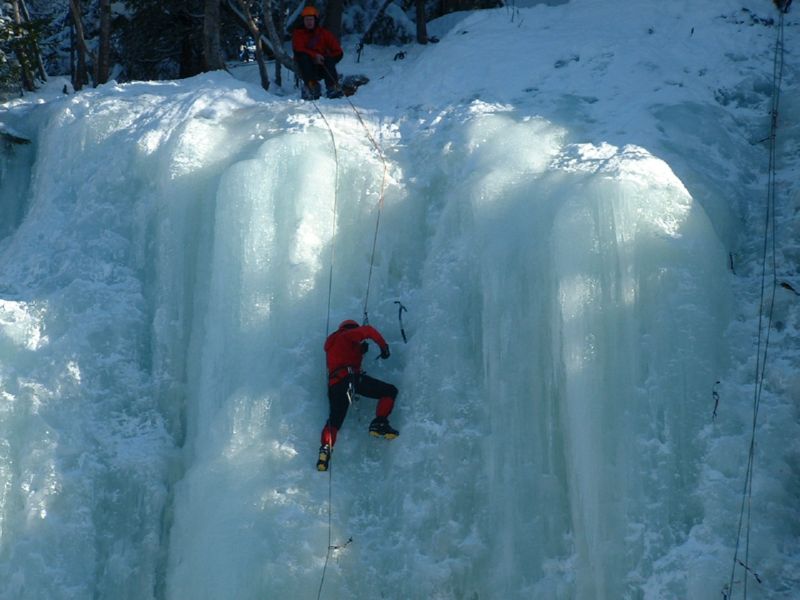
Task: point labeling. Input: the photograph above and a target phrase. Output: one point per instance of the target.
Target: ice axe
(400, 310)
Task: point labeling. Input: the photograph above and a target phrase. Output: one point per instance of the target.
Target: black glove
(364, 347)
(384, 353)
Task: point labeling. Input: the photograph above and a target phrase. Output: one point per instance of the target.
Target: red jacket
(316, 42)
(343, 349)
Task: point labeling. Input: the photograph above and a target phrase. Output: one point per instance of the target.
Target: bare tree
(273, 42)
(281, 57)
(101, 61)
(280, 11)
(81, 77)
(252, 27)
(212, 50)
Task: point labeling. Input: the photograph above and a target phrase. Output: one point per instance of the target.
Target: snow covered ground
(574, 209)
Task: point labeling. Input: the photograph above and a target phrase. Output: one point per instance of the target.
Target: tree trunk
(275, 39)
(252, 27)
(333, 17)
(273, 27)
(82, 74)
(422, 27)
(449, 6)
(104, 52)
(73, 73)
(212, 51)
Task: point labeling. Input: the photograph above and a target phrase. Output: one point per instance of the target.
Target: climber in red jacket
(344, 350)
(316, 52)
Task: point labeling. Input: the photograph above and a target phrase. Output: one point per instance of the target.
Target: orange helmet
(310, 11)
(348, 324)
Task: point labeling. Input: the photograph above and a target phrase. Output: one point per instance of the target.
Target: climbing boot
(310, 90)
(324, 457)
(380, 428)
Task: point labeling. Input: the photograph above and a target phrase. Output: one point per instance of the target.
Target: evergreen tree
(20, 60)
(168, 39)
(9, 67)
(162, 39)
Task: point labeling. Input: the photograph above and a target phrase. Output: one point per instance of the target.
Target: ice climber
(316, 52)
(344, 350)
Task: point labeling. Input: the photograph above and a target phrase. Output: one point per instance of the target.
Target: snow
(572, 210)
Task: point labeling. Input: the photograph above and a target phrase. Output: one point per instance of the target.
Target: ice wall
(164, 306)
(84, 447)
(569, 316)
(15, 166)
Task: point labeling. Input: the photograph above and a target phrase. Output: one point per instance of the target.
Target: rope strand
(333, 224)
(330, 292)
(330, 528)
(769, 253)
(381, 155)
(327, 329)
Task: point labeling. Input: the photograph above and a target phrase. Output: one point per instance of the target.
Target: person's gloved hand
(384, 353)
(364, 347)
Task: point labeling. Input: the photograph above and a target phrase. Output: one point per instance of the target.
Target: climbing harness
(767, 297)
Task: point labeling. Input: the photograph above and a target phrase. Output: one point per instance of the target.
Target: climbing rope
(332, 547)
(327, 328)
(764, 320)
(381, 155)
(379, 150)
(333, 224)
